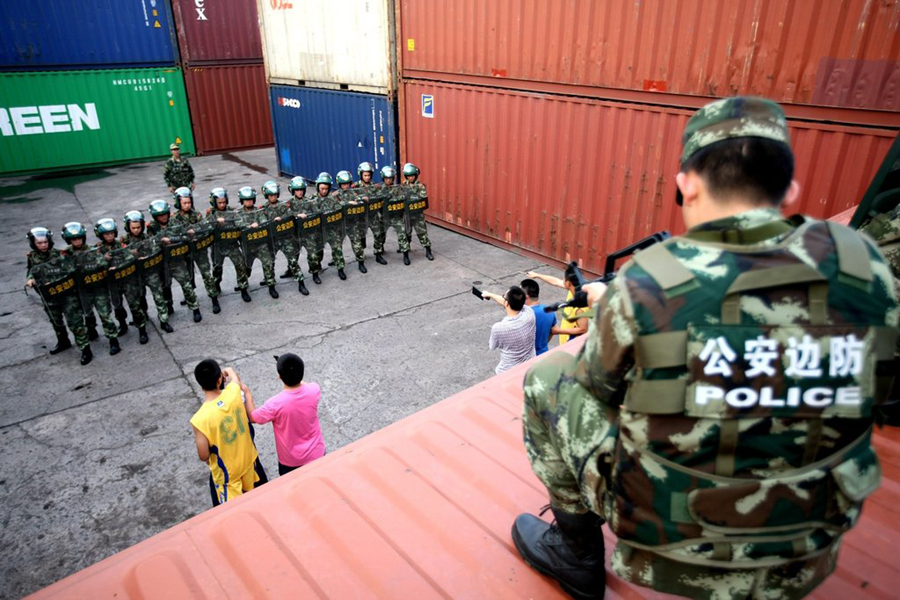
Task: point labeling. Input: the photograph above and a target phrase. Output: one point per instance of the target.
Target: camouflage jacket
(417, 188)
(35, 258)
(665, 352)
(82, 256)
(189, 218)
(254, 215)
(178, 173)
(279, 209)
(309, 205)
(885, 230)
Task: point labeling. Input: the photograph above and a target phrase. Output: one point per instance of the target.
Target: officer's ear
(689, 186)
(792, 194)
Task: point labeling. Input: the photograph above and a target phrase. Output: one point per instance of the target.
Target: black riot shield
(415, 204)
(395, 207)
(253, 238)
(374, 197)
(227, 234)
(177, 249)
(149, 256)
(354, 214)
(55, 278)
(123, 269)
(92, 270)
(309, 226)
(285, 229)
(333, 221)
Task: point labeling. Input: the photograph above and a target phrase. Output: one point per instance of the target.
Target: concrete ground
(98, 458)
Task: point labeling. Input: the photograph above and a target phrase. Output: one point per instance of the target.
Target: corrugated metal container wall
(323, 130)
(57, 119)
(842, 53)
(229, 107)
(61, 34)
(218, 31)
(329, 43)
(574, 179)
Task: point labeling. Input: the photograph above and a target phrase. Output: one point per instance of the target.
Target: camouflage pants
(182, 272)
(315, 249)
(376, 224)
(417, 224)
(357, 234)
(264, 255)
(201, 260)
(154, 281)
(399, 226)
(335, 239)
(233, 253)
(134, 294)
(291, 250)
(67, 310)
(99, 300)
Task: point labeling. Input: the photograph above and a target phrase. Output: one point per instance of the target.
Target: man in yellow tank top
(569, 326)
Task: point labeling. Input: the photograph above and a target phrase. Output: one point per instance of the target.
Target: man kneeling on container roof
(719, 415)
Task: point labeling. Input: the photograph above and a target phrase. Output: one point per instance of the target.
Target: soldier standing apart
(106, 231)
(218, 200)
(62, 305)
(180, 268)
(178, 172)
(356, 226)
(720, 413)
(250, 217)
(417, 218)
(286, 244)
(134, 235)
(310, 238)
(376, 218)
(388, 174)
(94, 297)
(334, 235)
(187, 218)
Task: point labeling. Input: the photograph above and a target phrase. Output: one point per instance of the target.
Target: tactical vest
(746, 425)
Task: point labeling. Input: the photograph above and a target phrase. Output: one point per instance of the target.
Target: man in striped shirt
(514, 335)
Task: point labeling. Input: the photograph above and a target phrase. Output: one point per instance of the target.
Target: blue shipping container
(69, 34)
(323, 130)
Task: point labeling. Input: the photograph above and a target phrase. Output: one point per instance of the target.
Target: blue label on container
(428, 106)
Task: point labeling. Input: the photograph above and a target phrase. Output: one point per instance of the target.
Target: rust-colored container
(843, 53)
(229, 107)
(574, 179)
(217, 31)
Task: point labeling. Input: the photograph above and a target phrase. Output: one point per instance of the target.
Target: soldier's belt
(57, 288)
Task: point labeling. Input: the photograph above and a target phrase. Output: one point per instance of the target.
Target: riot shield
(373, 197)
(227, 234)
(415, 204)
(55, 278)
(253, 238)
(285, 229)
(178, 248)
(395, 206)
(311, 225)
(354, 214)
(334, 222)
(92, 271)
(149, 256)
(123, 269)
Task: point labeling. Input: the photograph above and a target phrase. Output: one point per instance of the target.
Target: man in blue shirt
(544, 321)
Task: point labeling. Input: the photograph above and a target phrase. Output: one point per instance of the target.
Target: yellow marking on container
(156, 24)
(411, 44)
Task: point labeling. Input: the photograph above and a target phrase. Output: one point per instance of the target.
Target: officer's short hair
(515, 297)
(290, 369)
(571, 276)
(531, 288)
(757, 169)
(207, 373)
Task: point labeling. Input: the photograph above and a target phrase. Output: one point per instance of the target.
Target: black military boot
(122, 318)
(570, 550)
(286, 275)
(303, 290)
(342, 275)
(428, 253)
(316, 279)
(166, 327)
(216, 308)
(143, 337)
(273, 292)
(62, 343)
(197, 316)
(362, 267)
(245, 295)
(114, 347)
(86, 355)
(379, 258)
(406, 258)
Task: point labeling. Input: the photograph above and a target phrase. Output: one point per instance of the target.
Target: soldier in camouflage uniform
(106, 231)
(218, 200)
(417, 219)
(185, 218)
(97, 296)
(719, 415)
(180, 269)
(356, 228)
(251, 217)
(334, 237)
(288, 245)
(62, 306)
(178, 171)
(313, 240)
(398, 223)
(134, 233)
(366, 186)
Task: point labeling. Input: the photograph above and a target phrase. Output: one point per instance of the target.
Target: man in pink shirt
(294, 413)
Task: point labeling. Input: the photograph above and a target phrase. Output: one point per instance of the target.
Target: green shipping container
(52, 120)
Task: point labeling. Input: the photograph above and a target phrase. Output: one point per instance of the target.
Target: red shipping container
(836, 53)
(229, 107)
(572, 178)
(217, 31)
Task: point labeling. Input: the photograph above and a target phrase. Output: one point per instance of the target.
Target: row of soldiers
(75, 282)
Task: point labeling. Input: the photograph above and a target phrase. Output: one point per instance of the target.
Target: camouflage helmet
(410, 169)
(270, 188)
(324, 178)
(73, 230)
(158, 208)
(246, 193)
(217, 193)
(388, 172)
(297, 183)
(363, 167)
(105, 225)
(134, 216)
(40, 233)
(344, 177)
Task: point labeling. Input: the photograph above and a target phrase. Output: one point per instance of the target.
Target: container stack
(89, 83)
(224, 74)
(332, 83)
(555, 127)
